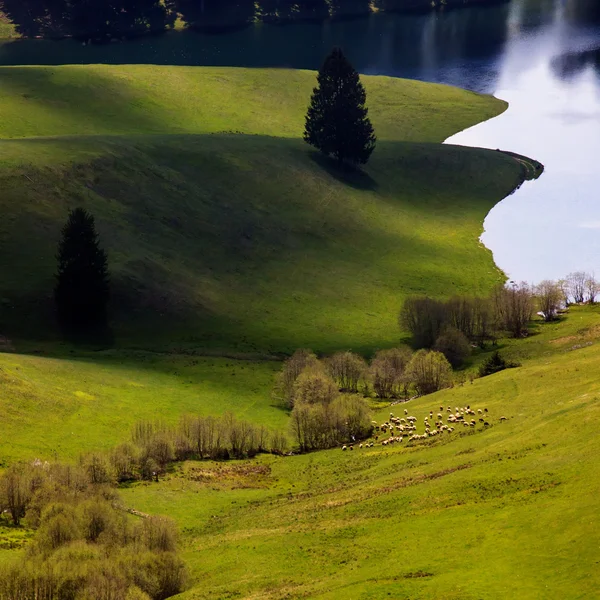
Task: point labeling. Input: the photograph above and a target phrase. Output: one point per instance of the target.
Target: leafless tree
(348, 369)
(387, 372)
(313, 386)
(513, 307)
(424, 318)
(577, 286)
(429, 371)
(483, 321)
(15, 492)
(592, 288)
(292, 368)
(550, 297)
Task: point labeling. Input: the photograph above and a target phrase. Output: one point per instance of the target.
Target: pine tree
(82, 287)
(337, 122)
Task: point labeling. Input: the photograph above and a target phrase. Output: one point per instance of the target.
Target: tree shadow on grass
(344, 173)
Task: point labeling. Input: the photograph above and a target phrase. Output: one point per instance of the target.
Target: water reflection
(540, 55)
(550, 77)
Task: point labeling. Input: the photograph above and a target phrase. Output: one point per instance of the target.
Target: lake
(542, 56)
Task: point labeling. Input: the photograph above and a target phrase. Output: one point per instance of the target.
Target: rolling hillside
(224, 230)
(508, 511)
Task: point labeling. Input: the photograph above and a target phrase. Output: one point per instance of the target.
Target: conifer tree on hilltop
(82, 284)
(337, 122)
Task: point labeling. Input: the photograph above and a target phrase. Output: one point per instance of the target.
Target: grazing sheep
(344, 447)
(441, 408)
(486, 424)
(360, 445)
(481, 420)
(405, 411)
(503, 418)
(485, 410)
(351, 447)
(479, 411)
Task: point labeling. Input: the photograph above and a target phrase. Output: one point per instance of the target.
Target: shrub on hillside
(454, 345)
(494, 364)
(324, 425)
(424, 318)
(85, 547)
(347, 369)
(429, 371)
(314, 386)
(387, 372)
(292, 368)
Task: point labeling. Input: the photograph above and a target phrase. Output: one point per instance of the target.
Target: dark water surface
(543, 56)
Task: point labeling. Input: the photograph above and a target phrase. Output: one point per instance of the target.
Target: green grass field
(241, 240)
(228, 237)
(219, 242)
(507, 512)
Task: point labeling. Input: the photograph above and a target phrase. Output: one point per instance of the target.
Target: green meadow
(223, 229)
(231, 244)
(507, 511)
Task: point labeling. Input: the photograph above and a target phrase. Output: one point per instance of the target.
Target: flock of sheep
(396, 429)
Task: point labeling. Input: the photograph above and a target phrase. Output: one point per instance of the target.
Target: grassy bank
(223, 229)
(408, 521)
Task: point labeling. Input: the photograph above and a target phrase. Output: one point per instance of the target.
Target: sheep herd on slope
(397, 429)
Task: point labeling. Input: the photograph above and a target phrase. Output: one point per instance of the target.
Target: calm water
(543, 56)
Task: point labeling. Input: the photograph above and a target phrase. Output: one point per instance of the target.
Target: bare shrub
(157, 533)
(353, 418)
(549, 297)
(292, 368)
(577, 288)
(424, 318)
(278, 443)
(514, 307)
(387, 372)
(592, 289)
(96, 467)
(347, 369)
(429, 371)
(454, 345)
(123, 460)
(15, 491)
(314, 386)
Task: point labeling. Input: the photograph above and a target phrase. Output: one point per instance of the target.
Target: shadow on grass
(344, 173)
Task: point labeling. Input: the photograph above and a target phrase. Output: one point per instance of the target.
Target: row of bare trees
(327, 396)
(85, 545)
(392, 373)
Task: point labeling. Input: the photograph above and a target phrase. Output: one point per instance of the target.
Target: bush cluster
(86, 546)
(327, 397)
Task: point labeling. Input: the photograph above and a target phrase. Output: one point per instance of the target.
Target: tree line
(105, 19)
(462, 320)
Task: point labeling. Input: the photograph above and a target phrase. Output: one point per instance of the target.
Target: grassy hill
(509, 511)
(224, 230)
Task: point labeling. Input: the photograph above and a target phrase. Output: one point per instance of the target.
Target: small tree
(429, 371)
(348, 369)
(337, 123)
(292, 368)
(577, 286)
(424, 318)
(514, 307)
(454, 345)
(387, 372)
(550, 297)
(494, 364)
(82, 286)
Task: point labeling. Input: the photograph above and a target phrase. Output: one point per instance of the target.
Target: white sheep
(344, 447)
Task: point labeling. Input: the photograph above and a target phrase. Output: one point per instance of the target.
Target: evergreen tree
(82, 286)
(337, 122)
